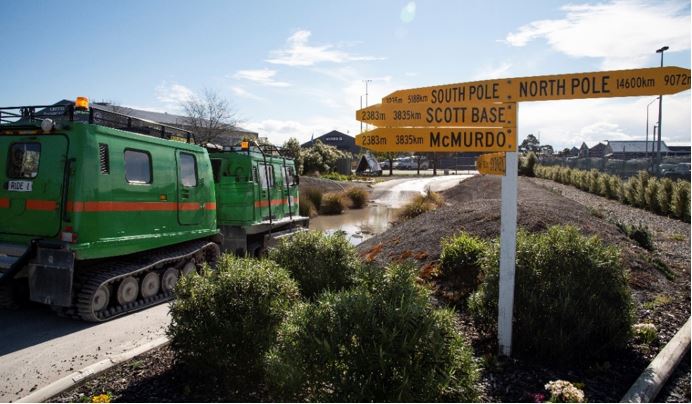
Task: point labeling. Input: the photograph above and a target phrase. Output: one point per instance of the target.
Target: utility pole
(366, 97)
(660, 119)
(646, 143)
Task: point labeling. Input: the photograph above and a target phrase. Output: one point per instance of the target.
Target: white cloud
(241, 92)
(279, 131)
(408, 13)
(624, 34)
(493, 71)
(299, 53)
(569, 123)
(261, 76)
(173, 95)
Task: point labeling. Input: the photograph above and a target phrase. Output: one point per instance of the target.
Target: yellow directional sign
(616, 83)
(477, 115)
(491, 163)
(439, 139)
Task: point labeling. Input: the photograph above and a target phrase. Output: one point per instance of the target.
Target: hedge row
(658, 195)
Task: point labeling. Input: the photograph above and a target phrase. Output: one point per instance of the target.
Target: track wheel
(128, 290)
(100, 298)
(189, 268)
(151, 283)
(169, 279)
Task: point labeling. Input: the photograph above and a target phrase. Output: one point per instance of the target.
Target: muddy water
(387, 198)
(358, 224)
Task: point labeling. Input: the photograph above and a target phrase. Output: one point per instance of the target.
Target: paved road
(37, 347)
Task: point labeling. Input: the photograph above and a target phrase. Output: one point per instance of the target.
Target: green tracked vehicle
(101, 213)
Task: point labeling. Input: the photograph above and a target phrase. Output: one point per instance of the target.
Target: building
(633, 149)
(680, 150)
(598, 151)
(337, 139)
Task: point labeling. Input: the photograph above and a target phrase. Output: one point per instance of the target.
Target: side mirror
(296, 179)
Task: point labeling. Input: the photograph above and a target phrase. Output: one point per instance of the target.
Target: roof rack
(29, 115)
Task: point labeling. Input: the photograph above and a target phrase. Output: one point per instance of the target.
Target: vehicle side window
(290, 175)
(23, 160)
(266, 176)
(137, 167)
(188, 170)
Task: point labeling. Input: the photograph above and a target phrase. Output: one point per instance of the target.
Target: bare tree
(208, 116)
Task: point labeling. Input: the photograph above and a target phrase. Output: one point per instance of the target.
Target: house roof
(161, 117)
(634, 146)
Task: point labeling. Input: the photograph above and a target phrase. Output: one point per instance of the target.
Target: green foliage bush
(640, 234)
(665, 196)
(334, 176)
(333, 203)
(317, 261)
(379, 341)
(571, 302)
(358, 197)
(594, 182)
(320, 158)
(527, 165)
(651, 195)
(223, 321)
(681, 200)
(460, 261)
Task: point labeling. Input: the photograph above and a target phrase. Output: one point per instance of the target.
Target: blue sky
(294, 68)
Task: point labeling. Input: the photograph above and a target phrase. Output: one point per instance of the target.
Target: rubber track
(89, 279)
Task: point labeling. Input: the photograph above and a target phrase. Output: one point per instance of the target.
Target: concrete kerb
(81, 376)
(649, 384)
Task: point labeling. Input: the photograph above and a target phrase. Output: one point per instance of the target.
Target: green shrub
(314, 195)
(358, 197)
(645, 333)
(594, 183)
(460, 261)
(681, 200)
(380, 341)
(640, 234)
(651, 196)
(571, 302)
(223, 321)
(334, 176)
(333, 203)
(641, 183)
(615, 186)
(665, 195)
(605, 186)
(317, 261)
(628, 194)
(527, 165)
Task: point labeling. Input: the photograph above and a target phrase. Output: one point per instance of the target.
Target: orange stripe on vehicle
(113, 206)
(210, 206)
(264, 203)
(36, 204)
(4, 202)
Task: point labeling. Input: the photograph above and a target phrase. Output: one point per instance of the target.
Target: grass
(659, 301)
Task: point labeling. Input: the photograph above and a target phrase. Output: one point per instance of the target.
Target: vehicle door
(190, 189)
(32, 175)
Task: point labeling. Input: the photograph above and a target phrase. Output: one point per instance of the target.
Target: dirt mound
(474, 207)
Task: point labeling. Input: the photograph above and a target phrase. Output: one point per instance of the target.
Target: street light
(366, 97)
(660, 117)
(646, 144)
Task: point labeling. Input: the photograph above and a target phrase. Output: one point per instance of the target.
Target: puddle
(358, 224)
(387, 199)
